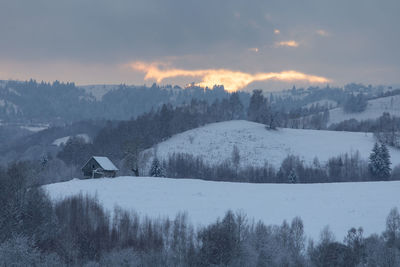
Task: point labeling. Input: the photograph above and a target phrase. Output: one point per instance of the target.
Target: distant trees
(258, 107)
(261, 111)
(131, 159)
(76, 151)
(356, 103)
(388, 130)
(342, 168)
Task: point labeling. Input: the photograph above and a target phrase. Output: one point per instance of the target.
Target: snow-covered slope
(339, 205)
(375, 108)
(98, 90)
(215, 142)
(64, 140)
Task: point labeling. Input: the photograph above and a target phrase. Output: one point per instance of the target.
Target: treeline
(59, 102)
(343, 168)
(77, 231)
(386, 128)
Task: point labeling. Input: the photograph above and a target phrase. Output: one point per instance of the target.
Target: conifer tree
(379, 162)
(374, 161)
(156, 169)
(386, 169)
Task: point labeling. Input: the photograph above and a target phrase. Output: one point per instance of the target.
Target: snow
(99, 90)
(35, 128)
(323, 103)
(106, 164)
(375, 108)
(214, 143)
(64, 140)
(339, 205)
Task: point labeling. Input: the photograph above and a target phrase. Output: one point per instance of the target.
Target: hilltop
(214, 144)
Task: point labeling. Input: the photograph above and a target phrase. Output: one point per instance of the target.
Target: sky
(240, 44)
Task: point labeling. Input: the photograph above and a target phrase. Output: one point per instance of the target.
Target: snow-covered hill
(215, 142)
(339, 205)
(375, 108)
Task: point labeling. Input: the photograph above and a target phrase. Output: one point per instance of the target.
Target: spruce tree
(156, 169)
(379, 162)
(374, 161)
(385, 156)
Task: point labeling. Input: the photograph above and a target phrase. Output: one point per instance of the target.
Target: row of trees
(77, 231)
(343, 168)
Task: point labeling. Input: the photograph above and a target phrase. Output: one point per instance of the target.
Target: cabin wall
(89, 167)
(93, 165)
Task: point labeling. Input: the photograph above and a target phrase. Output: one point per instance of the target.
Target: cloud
(232, 80)
(276, 31)
(322, 33)
(290, 43)
(254, 49)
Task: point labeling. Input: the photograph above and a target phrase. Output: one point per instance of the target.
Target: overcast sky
(101, 41)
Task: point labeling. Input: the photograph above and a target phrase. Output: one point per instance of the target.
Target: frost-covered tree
(379, 162)
(18, 251)
(156, 169)
(385, 155)
(392, 233)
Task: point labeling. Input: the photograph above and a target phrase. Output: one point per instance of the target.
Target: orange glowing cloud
(254, 49)
(231, 80)
(290, 43)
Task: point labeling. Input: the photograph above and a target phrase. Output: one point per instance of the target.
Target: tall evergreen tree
(385, 155)
(375, 162)
(156, 169)
(258, 107)
(379, 162)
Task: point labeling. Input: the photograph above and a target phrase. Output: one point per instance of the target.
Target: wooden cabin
(97, 167)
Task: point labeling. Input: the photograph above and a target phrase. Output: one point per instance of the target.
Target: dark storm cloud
(343, 40)
(116, 29)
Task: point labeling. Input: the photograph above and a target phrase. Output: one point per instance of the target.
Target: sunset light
(231, 80)
(290, 43)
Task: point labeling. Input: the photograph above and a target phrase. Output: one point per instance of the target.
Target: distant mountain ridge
(58, 103)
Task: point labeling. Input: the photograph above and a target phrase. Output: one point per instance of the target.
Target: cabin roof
(105, 163)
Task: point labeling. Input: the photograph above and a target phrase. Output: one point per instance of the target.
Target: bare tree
(235, 157)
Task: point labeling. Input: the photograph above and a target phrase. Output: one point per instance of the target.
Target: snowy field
(339, 205)
(214, 143)
(375, 108)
